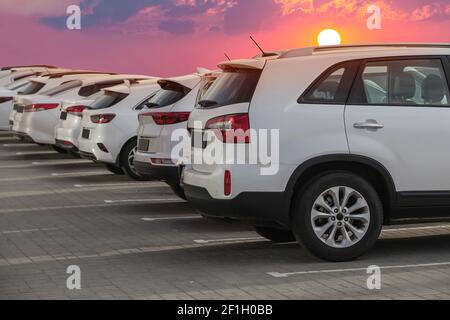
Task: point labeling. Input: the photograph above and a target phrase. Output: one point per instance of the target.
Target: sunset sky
(172, 37)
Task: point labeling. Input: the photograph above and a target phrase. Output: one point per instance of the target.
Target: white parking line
(26, 231)
(123, 184)
(406, 266)
(171, 218)
(46, 163)
(417, 228)
(144, 200)
(80, 173)
(230, 240)
(31, 153)
(19, 145)
(55, 192)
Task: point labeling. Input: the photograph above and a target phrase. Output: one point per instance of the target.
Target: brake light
(6, 99)
(76, 110)
(103, 118)
(167, 118)
(233, 128)
(40, 107)
(227, 183)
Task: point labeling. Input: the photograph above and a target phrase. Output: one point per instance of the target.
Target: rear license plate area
(85, 134)
(63, 116)
(143, 145)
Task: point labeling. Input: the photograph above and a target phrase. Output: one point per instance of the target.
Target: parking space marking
(171, 218)
(57, 175)
(18, 194)
(45, 163)
(123, 184)
(20, 145)
(144, 200)
(31, 153)
(109, 254)
(417, 228)
(26, 231)
(80, 173)
(231, 240)
(406, 266)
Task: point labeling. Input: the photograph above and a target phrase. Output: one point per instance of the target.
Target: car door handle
(368, 125)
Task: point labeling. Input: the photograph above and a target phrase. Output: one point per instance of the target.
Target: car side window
(409, 82)
(332, 87)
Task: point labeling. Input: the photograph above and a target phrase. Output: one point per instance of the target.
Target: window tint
(32, 88)
(62, 88)
(231, 87)
(402, 82)
(144, 104)
(333, 87)
(107, 100)
(169, 94)
(95, 88)
(205, 84)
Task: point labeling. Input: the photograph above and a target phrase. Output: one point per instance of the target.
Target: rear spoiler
(255, 64)
(28, 66)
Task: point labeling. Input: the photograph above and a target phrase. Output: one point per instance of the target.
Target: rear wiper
(208, 103)
(152, 105)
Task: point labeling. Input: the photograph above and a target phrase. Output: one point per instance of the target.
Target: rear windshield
(62, 88)
(169, 94)
(32, 88)
(231, 87)
(95, 88)
(107, 100)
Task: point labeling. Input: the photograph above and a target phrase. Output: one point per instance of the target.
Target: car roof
(105, 78)
(358, 51)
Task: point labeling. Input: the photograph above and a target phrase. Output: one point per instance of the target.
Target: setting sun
(329, 37)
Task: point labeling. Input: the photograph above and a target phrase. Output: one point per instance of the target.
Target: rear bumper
(253, 208)
(67, 145)
(166, 173)
(87, 155)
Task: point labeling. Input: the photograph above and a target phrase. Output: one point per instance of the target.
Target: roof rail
(308, 51)
(28, 66)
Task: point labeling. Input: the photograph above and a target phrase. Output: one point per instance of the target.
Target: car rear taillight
(40, 107)
(6, 99)
(227, 183)
(232, 128)
(167, 118)
(76, 110)
(103, 118)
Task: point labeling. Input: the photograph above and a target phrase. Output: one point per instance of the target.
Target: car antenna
(264, 54)
(229, 59)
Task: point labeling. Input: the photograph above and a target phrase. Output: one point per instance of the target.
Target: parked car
(13, 73)
(110, 123)
(41, 112)
(10, 91)
(363, 132)
(154, 158)
(44, 83)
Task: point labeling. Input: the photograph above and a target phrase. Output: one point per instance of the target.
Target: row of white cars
(358, 137)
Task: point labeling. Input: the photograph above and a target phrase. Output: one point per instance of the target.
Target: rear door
(399, 115)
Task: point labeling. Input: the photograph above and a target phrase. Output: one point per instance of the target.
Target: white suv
(159, 124)
(363, 142)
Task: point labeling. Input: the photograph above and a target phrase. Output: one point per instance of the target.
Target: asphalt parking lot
(134, 240)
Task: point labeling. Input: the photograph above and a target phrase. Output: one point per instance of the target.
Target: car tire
(114, 169)
(331, 229)
(127, 161)
(178, 190)
(59, 150)
(276, 235)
